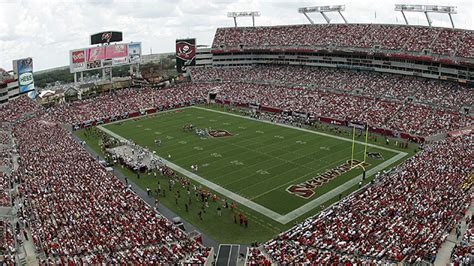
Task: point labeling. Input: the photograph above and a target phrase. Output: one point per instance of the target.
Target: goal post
(366, 129)
(366, 140)
(353, 145)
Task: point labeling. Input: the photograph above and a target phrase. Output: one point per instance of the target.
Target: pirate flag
(185, 54)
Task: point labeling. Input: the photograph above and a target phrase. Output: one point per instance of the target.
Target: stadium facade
(436, 53)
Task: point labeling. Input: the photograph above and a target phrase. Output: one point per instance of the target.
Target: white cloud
(47, 30)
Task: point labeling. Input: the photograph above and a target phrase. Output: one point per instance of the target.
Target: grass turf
(259, 161)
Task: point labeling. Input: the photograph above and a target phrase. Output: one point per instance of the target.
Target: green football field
(258, 162)
(253, 167)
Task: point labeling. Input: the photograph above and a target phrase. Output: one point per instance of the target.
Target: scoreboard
(104, 56)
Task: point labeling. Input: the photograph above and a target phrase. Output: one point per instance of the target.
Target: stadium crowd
(79, 213)
(442, 41)
(412, 118)
(7, 243)
(5, 161)
(4, 187)
(377, 113)
(440, 93)
(13, 110)
(123, 101)
(256, 257)
(403, 216)
(4, 138)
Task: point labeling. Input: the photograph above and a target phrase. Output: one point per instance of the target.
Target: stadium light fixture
(427, 9)
(252, 14)
(322, 10)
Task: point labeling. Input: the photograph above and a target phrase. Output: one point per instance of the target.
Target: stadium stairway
(228, 255)
(31, 258)
(444, 253)
(26, 251)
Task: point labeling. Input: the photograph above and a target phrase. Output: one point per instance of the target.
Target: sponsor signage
(185, 54)
(119, 61)
(78, 60)
(134, 52)
(96, 53)
(254, 105)
(25, 74)
(25, 79)
(461, 132)
(107, 52)
(116, 50)
(78, 56)
(107, 63)
(104, 56)
(358, 126)
(299, 114)
(94, 64)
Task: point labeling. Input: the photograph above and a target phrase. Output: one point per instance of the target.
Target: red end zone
(306, 189)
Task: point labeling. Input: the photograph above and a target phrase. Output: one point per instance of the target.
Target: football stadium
(316, 143)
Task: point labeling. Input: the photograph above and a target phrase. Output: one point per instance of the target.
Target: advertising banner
(78, 56)
(185, 54)
(95, 53)
(107, 63)
(25, 74)
(119, 61)
(461, 132)
(254, 105)
(134, 52)
(104, 56)
(358, 126)
(78, 60)
(116, 50)
(94, 64)
(300, 114)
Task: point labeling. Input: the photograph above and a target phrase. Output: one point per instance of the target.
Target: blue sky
(47, 30)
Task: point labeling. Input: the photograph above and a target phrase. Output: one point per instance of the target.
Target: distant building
(8, 87)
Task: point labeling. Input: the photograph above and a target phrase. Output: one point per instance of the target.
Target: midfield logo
(218, 133)
(306, 189)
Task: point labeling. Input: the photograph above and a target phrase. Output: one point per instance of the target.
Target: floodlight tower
(322, 10)
(252, 14)
(427, 9)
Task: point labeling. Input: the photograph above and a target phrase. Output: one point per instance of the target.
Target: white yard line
(283, 219)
